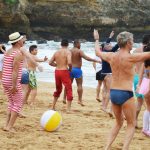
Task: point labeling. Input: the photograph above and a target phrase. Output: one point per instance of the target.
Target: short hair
(32, 47)
(4, 48)
(146, 39)
(147, 49)
(123, 38)
(64, 42)
(76, 42)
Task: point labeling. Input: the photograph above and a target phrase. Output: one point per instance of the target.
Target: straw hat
(14, 37)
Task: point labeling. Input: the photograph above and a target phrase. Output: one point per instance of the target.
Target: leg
(129, 110)
(138, 109)
(67, 82)
(15, 108)
(33, 95)
(98, 89)
(64, 97)
(26, 91)
(12, 120)
(119, 122)
(146, 116)
(58, 91)
(80, 90)
(107, 94)
(7, 119)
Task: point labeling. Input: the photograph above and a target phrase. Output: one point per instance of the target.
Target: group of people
(115, 67)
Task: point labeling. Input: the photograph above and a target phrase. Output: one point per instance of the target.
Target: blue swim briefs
(25, 77)
(76, 73)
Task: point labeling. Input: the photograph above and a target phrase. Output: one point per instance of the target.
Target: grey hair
(123, 38)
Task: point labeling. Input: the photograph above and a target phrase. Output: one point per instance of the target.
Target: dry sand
(85, 129)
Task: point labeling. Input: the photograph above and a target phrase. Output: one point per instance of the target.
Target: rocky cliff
(55, 19)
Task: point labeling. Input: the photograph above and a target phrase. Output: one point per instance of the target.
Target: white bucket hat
(14, 37)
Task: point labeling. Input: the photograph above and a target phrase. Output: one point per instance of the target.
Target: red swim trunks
(63, 77)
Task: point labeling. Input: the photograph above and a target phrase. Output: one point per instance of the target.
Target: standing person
(11, 76)
(121, 86)
(145, 90)
(62, 61)
(138, 67)
(99, 77)
(76, 73)
(32, 73)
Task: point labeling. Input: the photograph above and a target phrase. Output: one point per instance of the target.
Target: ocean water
(51, 47)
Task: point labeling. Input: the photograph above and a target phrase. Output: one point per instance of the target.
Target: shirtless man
(121, 86)
(32, 72)
(138, 67)
(62, 60)
(76, 72)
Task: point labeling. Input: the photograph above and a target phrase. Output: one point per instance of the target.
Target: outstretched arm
(41, 60)
(28, 55)
(139, 57)
(82, 54)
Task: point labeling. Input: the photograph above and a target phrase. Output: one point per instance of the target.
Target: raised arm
(2, 48)
(110, 37)
(103, 55)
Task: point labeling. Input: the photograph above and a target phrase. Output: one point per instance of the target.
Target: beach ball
(51, 120)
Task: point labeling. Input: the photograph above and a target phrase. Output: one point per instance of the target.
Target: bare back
(76, 57)
(122, 71)
(61, 59)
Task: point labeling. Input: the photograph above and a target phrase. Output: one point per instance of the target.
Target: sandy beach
(86, 128)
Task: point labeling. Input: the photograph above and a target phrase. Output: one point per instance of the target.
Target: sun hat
(14, 37)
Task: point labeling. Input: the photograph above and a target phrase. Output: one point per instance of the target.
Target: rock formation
(55, 19)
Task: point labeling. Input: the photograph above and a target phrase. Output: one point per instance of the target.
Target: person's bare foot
(80, 103)
(21, 115)
(11, 130)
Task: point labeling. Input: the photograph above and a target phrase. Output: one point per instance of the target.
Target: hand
(14, 90)
(96, 35)
(40, 68)
(45, 58)
(111, 34)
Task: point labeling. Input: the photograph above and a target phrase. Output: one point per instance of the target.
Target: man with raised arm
(121, 86)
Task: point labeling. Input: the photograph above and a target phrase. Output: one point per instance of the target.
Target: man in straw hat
(11, 76)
